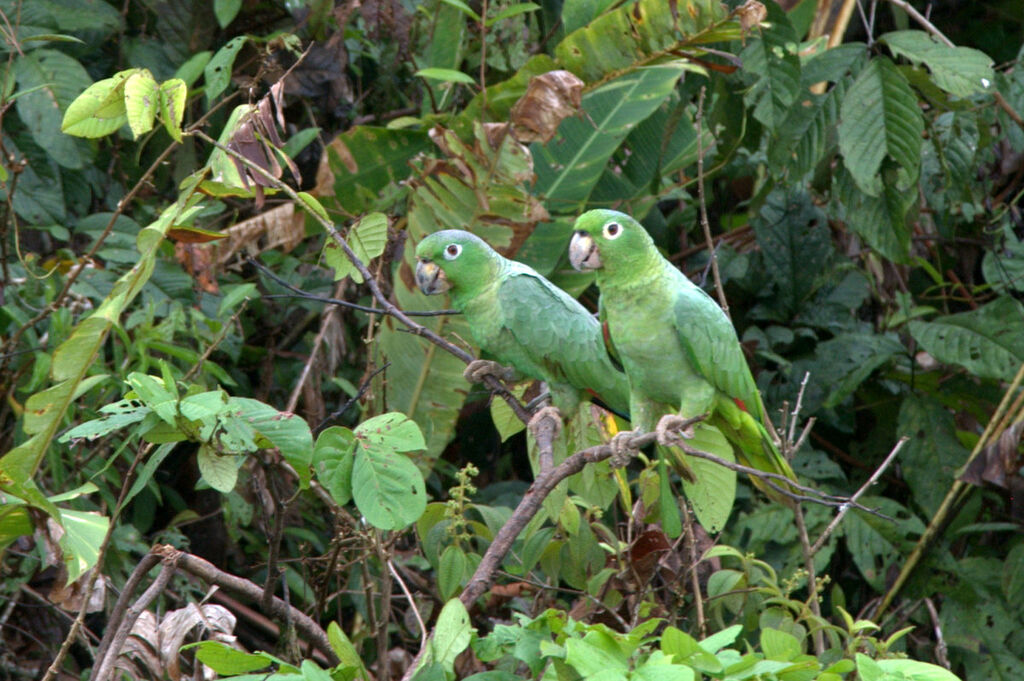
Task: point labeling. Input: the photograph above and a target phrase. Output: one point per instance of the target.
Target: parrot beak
(431, 278)
(583, 252)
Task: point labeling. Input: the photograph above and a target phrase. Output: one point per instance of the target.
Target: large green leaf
(988, 342)
(1004, 267)
(960, 71)
(638, 32)
(795, 243)
(570, 165)
(933, 454)
(55, 80)
(882, 221)
(387, 487)
(874, 542)
(360, 163)
(773, 63)
(880, 119)
(713, 493)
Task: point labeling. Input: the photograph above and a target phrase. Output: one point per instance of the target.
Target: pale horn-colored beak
(583, 252)
(431, 278)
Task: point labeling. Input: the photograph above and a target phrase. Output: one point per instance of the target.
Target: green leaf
(463, 7)
(226, 11)
(988, 342)
(83, 534)
(154, 395)
(880, 119)
(578, 13)
(387, 487)
(960, 71)
(570, 165)
(332, 462)
(931, 458)
(451, 571)
(512, 11)
(452, 633)
(343, 648)
(505, 420)
(882, 221)
(219, 470)
(56, 80)
(99, 110)
(779, 645)
(713, 494)
(901, 670)
(141, 101)
(229, 661)
(445, 75)
(286, 431)
(363, 161)
(875, 543)
(117, 416)
(218, 70)
(774, 69)
(367, 239)
(1003, 267)
(173, 95)
(625, 37)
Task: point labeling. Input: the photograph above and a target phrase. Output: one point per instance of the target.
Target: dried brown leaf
(550, 98)
(280, 227)
(998, 463)
(750, 14)
(71, 597)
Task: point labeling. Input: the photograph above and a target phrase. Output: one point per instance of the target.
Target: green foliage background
(864, 203)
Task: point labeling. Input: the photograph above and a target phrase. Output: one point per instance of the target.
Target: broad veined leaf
(83, 534)
(219, 470)
(286, 431)
(446, 75)
(931, 458)
(569, 166)
(452, 633)
(173, 94)
(875, 542)
(99, 110)
(367, 239)
(332, 462)
(388, 488)
(988, 342)
(361, 162)
(1004, 267)
(880, 119)
(960, 71)
(141, 100)
(713, 494)
(218, 70)
(636, 32)
(772, 61)
(882, 220)
(55, 80)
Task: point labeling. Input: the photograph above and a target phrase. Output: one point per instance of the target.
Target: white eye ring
(452, 251)
(612, 230)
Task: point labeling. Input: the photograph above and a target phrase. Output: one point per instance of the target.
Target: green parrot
(677, 346)
(522, 320)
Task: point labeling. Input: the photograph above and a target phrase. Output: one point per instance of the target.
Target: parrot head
(451, 259)
(607, 239)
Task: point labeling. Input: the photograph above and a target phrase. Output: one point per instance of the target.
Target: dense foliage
(186, 182)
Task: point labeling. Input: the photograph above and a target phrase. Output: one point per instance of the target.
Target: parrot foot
(478, 369)
(671, 430)
(623, 449)
(540, 415)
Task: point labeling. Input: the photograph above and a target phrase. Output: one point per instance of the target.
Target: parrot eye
(612, 230)
(452, 251)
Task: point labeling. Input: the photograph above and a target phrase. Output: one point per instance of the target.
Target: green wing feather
(710, 342)
(558, 336)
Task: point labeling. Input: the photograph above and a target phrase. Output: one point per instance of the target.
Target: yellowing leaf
(141, 96)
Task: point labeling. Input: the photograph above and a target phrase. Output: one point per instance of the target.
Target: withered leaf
(750, 14)
(550, 98)
(998, 463)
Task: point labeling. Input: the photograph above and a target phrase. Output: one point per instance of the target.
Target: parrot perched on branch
(679, 350)
(522, 320)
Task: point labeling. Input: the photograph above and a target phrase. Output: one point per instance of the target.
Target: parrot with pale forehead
(522, 320)
(678, 348)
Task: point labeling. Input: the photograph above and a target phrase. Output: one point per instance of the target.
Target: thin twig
(352, 400)
(105, 666)
(812, 577)
(940, 641)
(306, 295)
(698, 598)
(702, 204)
(307, 368)
(845, 508)
(412, 604)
